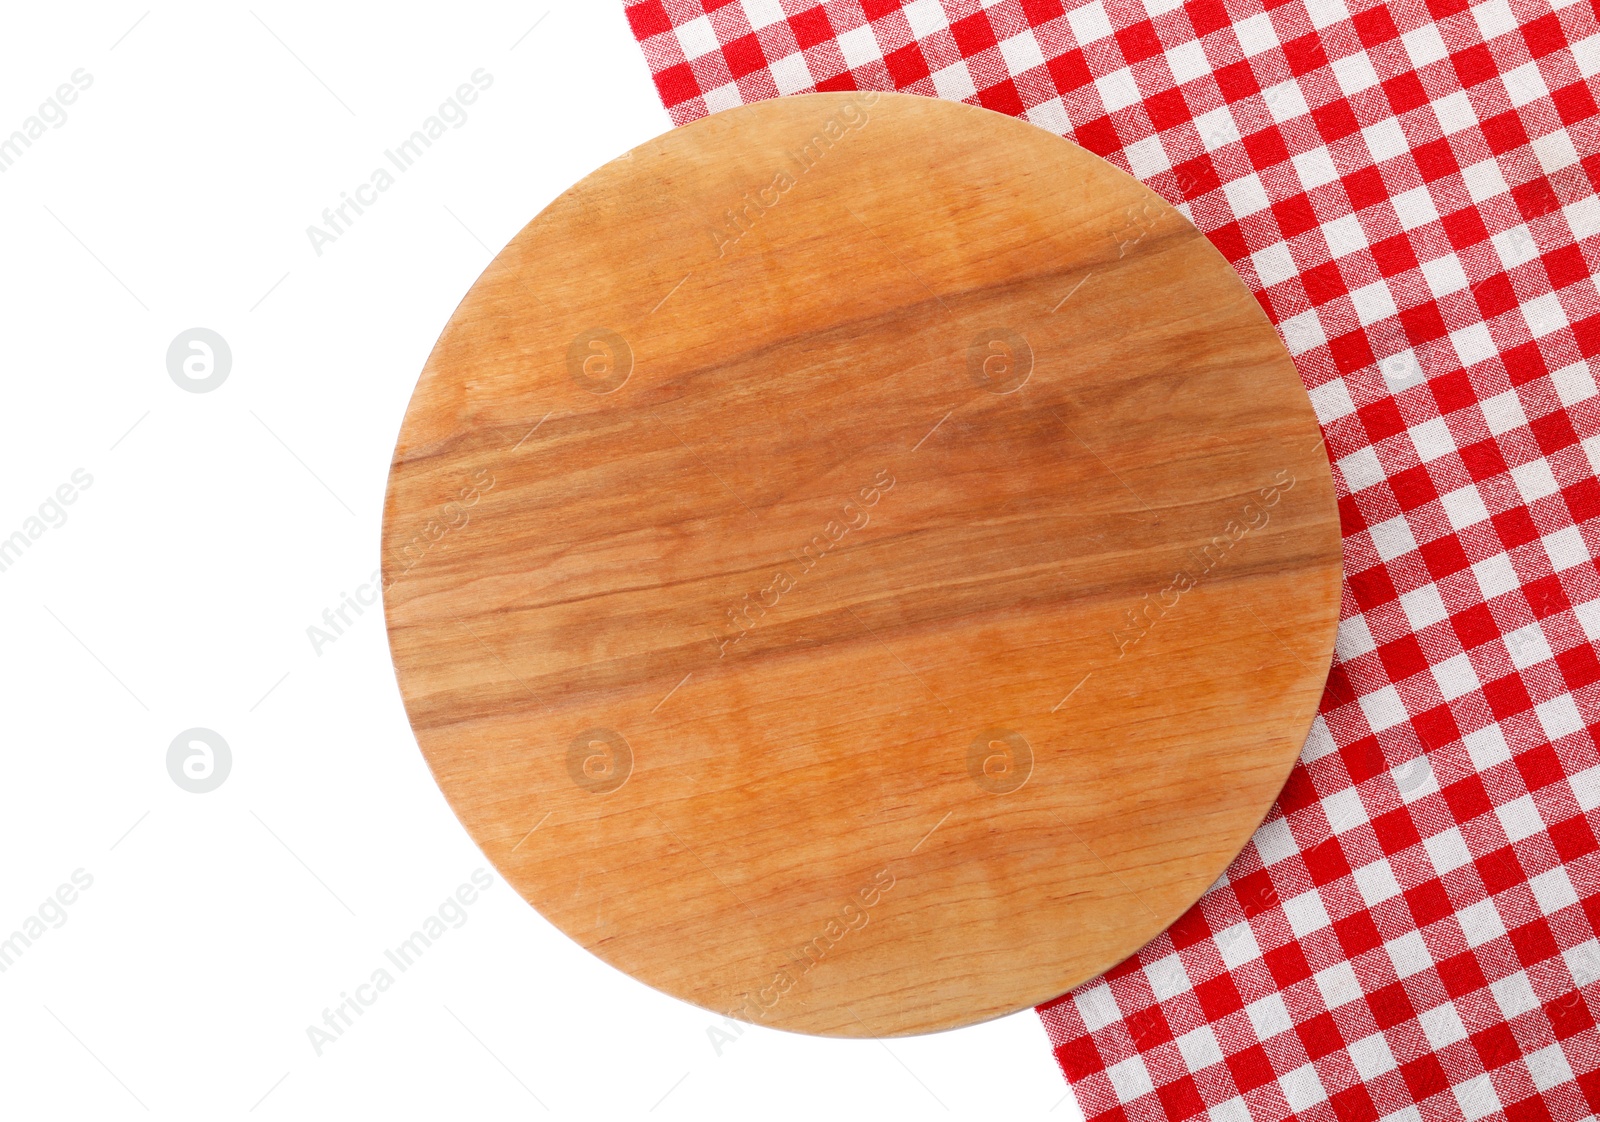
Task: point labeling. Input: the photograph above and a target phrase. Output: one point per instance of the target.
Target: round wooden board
(860, 563)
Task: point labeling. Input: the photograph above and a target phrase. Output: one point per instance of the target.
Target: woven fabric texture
(1410, 191)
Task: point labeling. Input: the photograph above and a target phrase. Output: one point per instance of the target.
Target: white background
(217, 529)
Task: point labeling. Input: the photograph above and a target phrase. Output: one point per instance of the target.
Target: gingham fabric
(1410, 190)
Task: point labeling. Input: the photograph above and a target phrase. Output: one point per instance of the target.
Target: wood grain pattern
(860, 563)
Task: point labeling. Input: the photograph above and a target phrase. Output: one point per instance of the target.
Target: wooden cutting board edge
(403, 455)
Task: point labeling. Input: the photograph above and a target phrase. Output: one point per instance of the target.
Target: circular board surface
(860, 563)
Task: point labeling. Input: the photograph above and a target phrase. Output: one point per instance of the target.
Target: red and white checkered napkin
(1410, 190)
